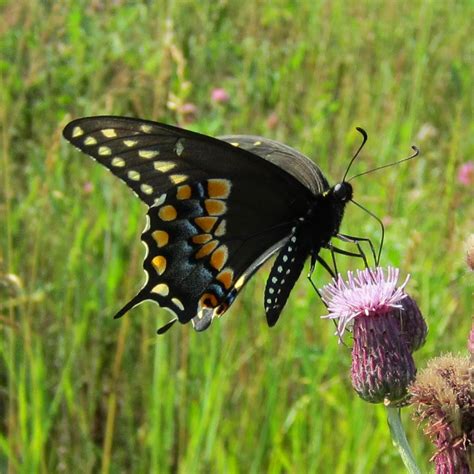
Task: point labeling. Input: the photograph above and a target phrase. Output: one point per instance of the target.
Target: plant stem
(400, 440)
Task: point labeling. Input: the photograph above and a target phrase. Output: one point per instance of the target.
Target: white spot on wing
(179, 148)
(160, 200)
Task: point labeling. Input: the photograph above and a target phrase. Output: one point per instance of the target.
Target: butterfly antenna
(364, 139)
(417, 152)
(382, 227)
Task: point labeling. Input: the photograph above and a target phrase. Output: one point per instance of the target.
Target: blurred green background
(80, 392)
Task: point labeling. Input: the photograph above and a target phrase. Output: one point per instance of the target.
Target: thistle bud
(412, 324)
(373, 306)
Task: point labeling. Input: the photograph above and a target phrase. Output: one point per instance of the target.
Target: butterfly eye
(343, 191)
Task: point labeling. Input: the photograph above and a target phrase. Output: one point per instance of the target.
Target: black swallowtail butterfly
(218, 209)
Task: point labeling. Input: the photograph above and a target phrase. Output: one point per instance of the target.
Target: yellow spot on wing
(163, 166)
(219, 257)
(77, 132)
(161, 289)
(104, 151)
(218, 188)
(118, 162)
(235, 143)
(109, 132)
(167, 213)
(225, 277)
(161, 237)
(130, 143)
(134, 175)
(90, 141)
(205, 223)
(178, 178)
(215, 207)
(221, 228)
(201, 238)
(178, 303)
(183, 192)
(146, 128)
(257, 143)
(146, 188)
(240, 282)
(148, 154)
(206, 249)
(159, 263)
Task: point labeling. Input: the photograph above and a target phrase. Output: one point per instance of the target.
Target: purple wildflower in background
(385, 330)
(466, 173)
(220, 95)
(443, 397)
(470, 252)
(189, 112)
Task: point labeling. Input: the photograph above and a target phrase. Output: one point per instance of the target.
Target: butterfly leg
(316, 258)
(357, 240)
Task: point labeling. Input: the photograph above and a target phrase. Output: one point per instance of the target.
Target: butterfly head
(342, 191)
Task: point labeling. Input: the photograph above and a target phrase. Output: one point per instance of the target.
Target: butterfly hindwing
(194, 266)
(284, 273)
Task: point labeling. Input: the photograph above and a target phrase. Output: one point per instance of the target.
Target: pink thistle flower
(220, 95)
(466, 173)
(386, 328)
(367, 293)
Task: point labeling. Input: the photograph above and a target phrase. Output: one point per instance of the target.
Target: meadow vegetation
(81, 392)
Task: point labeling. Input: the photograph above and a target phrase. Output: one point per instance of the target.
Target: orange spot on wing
(167, 213)
(201, 238)
(219, 257)
(218, 188)
(206, 249)
(225, 277)
(215, 207)
(208, 300)
(184, 192)
(161, 237)
(205, 223)
(159, 263)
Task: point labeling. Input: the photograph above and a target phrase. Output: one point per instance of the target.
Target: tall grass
(80, 392)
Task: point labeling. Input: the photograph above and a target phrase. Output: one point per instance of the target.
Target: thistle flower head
(368, 293)
(386, 326)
